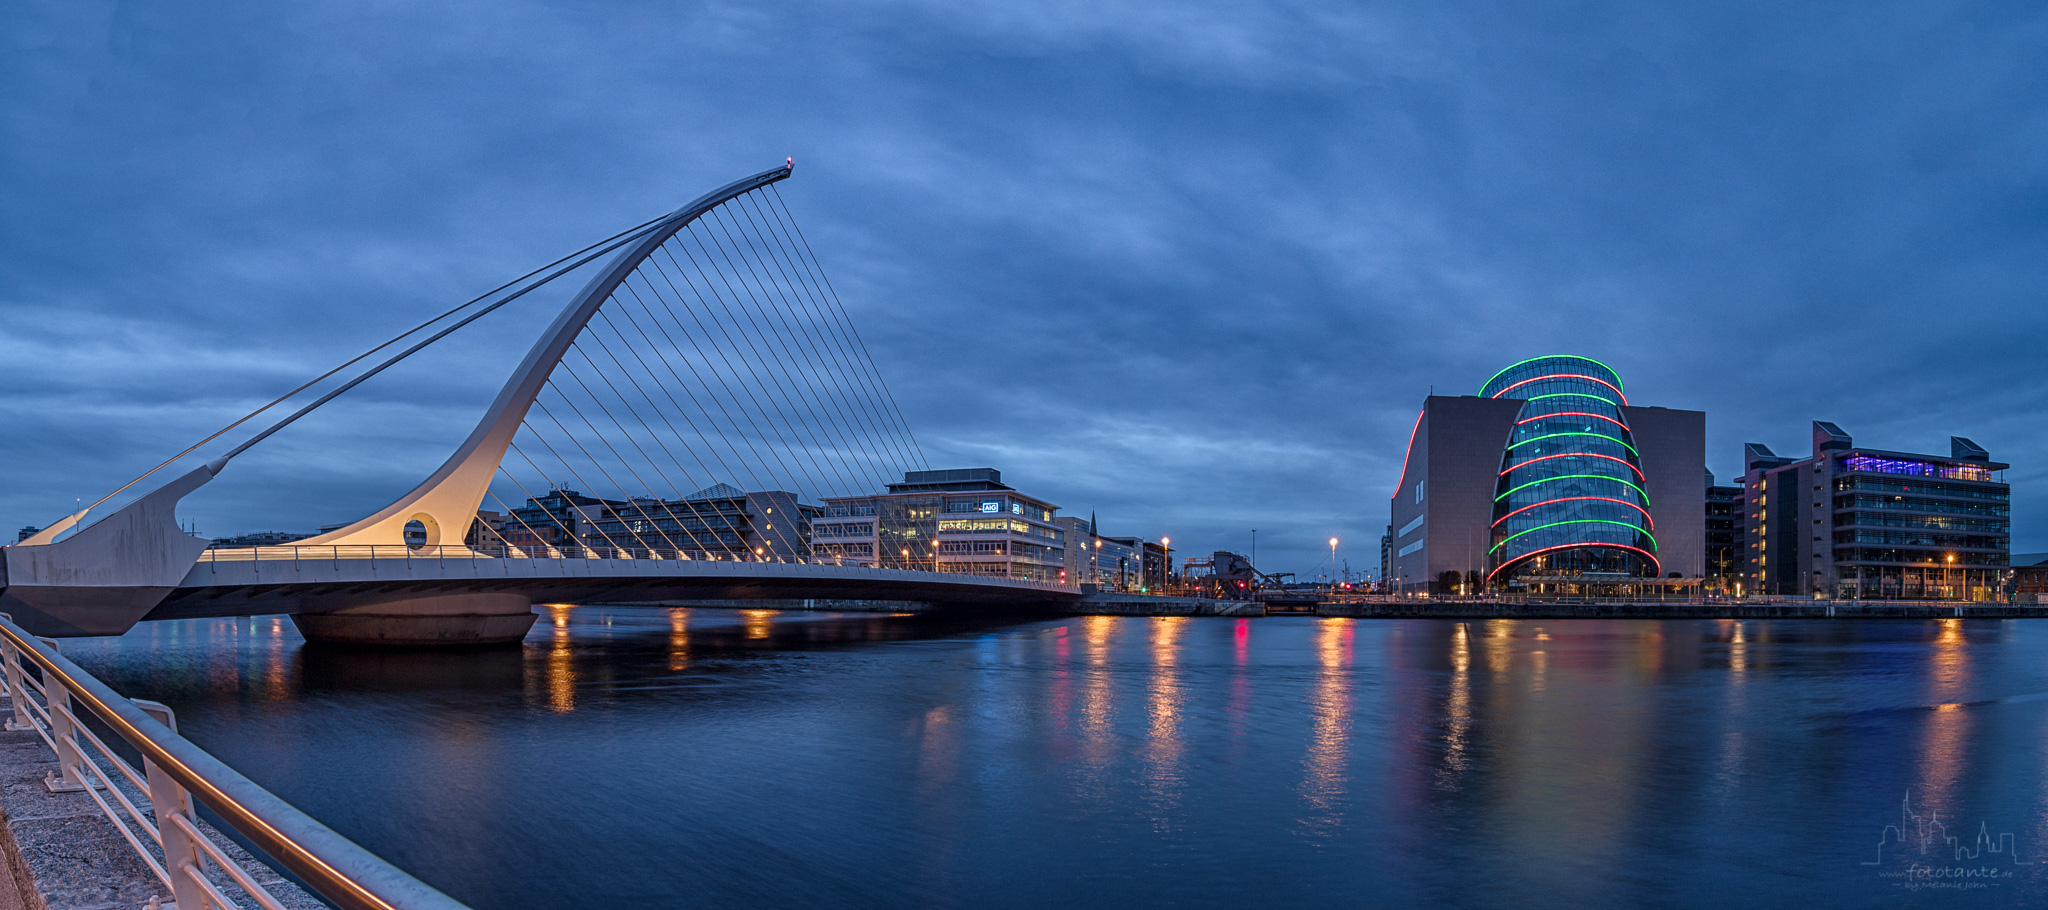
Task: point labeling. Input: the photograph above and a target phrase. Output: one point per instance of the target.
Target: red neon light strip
(1617, 392)
(1577, 546)
(1411, 450)
(1574, 414)
(1639, 471)
(1646, 512)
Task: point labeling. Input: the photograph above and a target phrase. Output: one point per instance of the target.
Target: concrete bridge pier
(416, 619)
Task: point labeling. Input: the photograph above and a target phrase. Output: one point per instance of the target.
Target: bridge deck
(276, 584)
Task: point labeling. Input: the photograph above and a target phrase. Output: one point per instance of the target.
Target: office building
(960, 520)
(1849, 521)
(1723, 536)
(1549, 481)
(718, 522)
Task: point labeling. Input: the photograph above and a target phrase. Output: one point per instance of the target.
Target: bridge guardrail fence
(334, 552)
(153, 807)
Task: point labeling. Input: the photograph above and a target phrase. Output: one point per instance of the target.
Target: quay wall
(1143, 605)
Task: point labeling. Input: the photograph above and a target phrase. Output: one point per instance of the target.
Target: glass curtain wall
(1569, 503)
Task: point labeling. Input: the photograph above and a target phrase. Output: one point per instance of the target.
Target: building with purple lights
(1855, 522)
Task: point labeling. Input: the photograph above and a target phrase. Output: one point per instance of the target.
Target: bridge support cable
(638, 503)
(662, 355)
(757, 438)
(753, 347)
(556, 489)
(696, 513)
(654, 406)
(797, 328)
(859, 371)
(603, 471)
(756, 265)
(853, 391)
(840, 306)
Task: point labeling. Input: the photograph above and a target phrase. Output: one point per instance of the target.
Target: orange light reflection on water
(1164, 747)
(1944, 741)
(561, 670)
(678, 639)
(1330, 727)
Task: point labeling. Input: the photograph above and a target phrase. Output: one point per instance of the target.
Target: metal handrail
(177, 770)
(294, 553)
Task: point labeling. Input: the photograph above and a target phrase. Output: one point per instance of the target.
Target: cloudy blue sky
(1190, 265)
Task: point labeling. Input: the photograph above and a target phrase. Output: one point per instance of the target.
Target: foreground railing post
(17, 690)
(64, 736)
(167, 798)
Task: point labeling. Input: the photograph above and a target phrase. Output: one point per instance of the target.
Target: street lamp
(1333, 565)
(1950, 573)
(1166, 556)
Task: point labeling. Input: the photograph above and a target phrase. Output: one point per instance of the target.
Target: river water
(649, 757)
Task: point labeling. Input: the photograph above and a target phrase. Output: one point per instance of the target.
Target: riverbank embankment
(1145, 605)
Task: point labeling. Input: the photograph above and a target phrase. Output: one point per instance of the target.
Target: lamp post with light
(1166, 567)
(1333, 565)
(1950, 575)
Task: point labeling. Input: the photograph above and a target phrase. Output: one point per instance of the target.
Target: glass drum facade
(1569, 502)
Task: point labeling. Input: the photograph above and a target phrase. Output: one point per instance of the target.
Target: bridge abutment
(416, 619)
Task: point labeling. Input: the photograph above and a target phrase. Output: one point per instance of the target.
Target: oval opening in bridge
(415, 534)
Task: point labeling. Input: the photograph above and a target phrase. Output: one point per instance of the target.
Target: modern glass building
(1548, 481)
(1569, 505)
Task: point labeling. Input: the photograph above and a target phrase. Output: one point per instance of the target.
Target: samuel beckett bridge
(709, 352)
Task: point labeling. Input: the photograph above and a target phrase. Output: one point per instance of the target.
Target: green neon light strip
(1576, 521)
(1610, 370)
(1572, 395)
(1639, 490)
(1631, 449)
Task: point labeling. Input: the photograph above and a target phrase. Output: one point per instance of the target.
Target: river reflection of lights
(1738, 649)
(1098, 708)
(1944, 740)
(274, 687)
(760, 623)
(1500, 645)
(1330, 727)
(561, 670)
(1458, 710)
(1164, 747)
(678, 638)
(938, 749)
(1734, 745)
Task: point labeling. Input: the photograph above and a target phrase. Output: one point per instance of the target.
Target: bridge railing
(293, 553)
(153, 806)
(300, 554)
